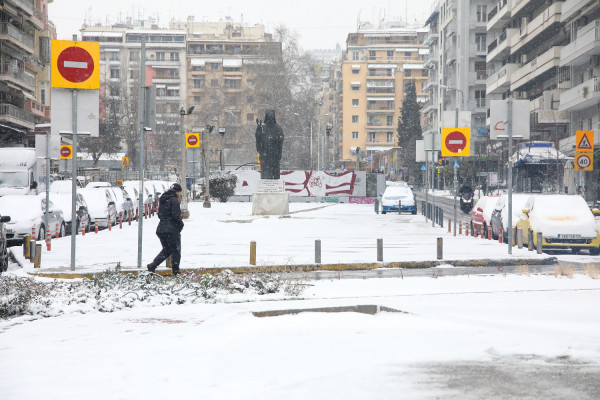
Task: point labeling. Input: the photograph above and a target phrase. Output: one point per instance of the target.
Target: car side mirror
(5, 218)
(595, 211)
(111, 203)
(525, 210)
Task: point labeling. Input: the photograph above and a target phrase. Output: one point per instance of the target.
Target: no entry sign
(456, 142)
(75, 65)
(66, 151)
(192, 140)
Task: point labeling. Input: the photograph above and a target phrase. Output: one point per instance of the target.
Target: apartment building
(165, 69)
(377, 66)
(456, 62)
(25, 35)
(223, 59)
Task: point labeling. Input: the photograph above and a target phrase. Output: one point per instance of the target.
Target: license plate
(567, 236)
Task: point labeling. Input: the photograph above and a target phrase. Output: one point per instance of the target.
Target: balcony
(581, 96)
(499, 81)
(16, 36)
(542, 24)
(25, 5)
(21, 79)
(538, 66)
(587, 44)
(35, 107)
(15, 116)
(499, 49)
(499, 15)
(571, 8)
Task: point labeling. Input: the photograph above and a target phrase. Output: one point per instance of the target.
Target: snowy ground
(220, 236)
(468, 337)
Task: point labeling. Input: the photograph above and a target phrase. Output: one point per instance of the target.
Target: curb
(316, 267)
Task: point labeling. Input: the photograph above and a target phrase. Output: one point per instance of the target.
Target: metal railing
(15, 112)
(10, 30)
(8, 69)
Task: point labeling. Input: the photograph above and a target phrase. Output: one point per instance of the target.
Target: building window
(233, 83)
(134, 56)
(480, 41)
(174, 56)
(214, 66)
(354, 102)
(407, 72)
(372, 136)
(390, 137)
(250, 83)
(354, 135)
(482, 13)
(114, 56)
(198, 83)
(480, 98)
(160, 56)
(390, 120)
(197, 99)
(355, 55)
(114, 73)
(355, 119)
(372, 54)
(390, 55)
(355, 71)
(43, 96)
(161, 92)
(114, 90)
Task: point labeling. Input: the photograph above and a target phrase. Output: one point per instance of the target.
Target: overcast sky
(318, 23)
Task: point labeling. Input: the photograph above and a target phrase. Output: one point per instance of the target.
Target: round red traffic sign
(583, 161)
(192, 140)
(456, 141)
(75, 64)
(65, 152)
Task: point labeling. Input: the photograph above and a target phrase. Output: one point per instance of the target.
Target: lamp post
(222, 159)
(185, 213)
(205, 151)
(328, 129)
(455, 166)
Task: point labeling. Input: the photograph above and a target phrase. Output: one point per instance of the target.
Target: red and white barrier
(48, 239)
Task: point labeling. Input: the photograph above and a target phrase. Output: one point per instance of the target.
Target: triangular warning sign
(584, 143)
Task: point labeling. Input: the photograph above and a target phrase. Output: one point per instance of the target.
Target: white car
(101, 205)
(64, 202)
(398, 198)
(28, 212)
(123, 205)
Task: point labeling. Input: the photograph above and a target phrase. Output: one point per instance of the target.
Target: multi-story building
(25, 34)
(222, 62)
(457, 69)
(165, 69)
(377, 66)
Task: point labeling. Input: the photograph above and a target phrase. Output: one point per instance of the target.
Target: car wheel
(594, 251)
(4, 260)
(63, 230)
(575, 250)
(383, 212)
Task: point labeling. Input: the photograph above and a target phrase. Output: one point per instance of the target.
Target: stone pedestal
(270, 199)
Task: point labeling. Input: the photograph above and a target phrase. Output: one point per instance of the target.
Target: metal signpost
(75, 66)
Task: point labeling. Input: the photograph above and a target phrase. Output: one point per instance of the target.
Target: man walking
(169, 228)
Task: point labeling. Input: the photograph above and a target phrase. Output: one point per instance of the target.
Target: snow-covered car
(131, 196)
(148, 192)
(101, 205)
(64, 201)
(481, 214)
(26, 213)
(500, 213)
(565, 221)
(3, 243)
(398, 198)
(65, 186)
(123, 205)
(92, 185)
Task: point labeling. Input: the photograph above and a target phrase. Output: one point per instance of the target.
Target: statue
(269, 142)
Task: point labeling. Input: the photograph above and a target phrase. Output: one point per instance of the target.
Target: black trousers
(171, 246)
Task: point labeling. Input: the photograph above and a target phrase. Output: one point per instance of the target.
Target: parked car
(481, 214)
(65, 186)
(131, 196)
(64, 201)
(500, 213)
(398, 198)
(3, 243)
(101, 205)
(148, 192)
(27, 212)
(91, 185)
(565, 221)
(124, 207)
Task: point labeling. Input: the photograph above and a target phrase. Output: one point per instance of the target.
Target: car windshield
(397, 193)
(13, 179)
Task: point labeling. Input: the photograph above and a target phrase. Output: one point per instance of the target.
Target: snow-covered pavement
(220, 236)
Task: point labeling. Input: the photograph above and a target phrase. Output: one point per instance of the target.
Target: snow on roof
(537, 155)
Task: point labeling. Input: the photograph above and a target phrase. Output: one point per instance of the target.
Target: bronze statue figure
(269, 142)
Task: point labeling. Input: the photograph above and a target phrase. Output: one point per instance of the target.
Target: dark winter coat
(169, 214)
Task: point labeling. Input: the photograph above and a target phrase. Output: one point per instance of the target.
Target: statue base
(270, 198)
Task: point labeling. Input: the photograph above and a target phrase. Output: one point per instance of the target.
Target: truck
(18, 171)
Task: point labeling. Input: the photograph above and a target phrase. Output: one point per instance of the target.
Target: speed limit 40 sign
(584, 161)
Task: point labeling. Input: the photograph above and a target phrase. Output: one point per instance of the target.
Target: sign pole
(142, 146)
(74, 177)
(510, 182)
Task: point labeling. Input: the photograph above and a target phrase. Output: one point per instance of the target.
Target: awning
(412, 66)
(237, 63)
(232, 77)
(380, 99)
(354, 83)
(411, 49)
(355, 67)
(386, 66)
(214, 60)
(172, 87)
(196, 62)
(423, 51)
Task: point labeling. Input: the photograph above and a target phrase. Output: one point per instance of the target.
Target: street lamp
(205, 150)
(185, 213)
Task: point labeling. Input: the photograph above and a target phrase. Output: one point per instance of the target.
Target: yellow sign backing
(75, 65)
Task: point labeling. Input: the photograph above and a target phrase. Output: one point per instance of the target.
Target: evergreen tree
(409, 131)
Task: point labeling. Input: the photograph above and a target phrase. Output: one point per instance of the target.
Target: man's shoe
(151, 268)
(175, 272)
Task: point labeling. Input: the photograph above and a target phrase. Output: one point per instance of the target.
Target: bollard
(96, 227)
(460, 228)
(27, 246)
(490, 233)
(33, 233)
(120, 219)
(529, 240)
(253, 252)
(380, 250)
(318, 251)
(38, 256)
(500, 235)
(482, 232)
(137, 215)
(467, 230)
(48, 240)
(32, 250)
(519, 238)
(440, 248)
(449, 225)
(539, 242)
(83, 228)
(109, 224)
(145, 211)
(129, 215)
(57, 231)
(376, 206)
(399, 207)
